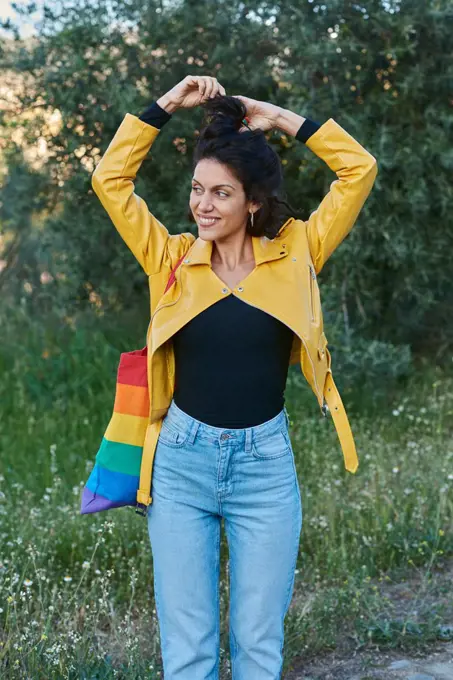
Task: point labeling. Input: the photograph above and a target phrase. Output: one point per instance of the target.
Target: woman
(245, 305)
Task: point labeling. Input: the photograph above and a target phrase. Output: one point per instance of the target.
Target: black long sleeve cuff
(307, 129)
(155, 115)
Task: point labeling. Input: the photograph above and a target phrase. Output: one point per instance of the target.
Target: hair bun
(224, 115)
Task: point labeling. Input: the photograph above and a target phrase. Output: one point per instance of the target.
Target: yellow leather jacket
(283, 283)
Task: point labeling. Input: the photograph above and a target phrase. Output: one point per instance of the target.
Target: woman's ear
(256, 206)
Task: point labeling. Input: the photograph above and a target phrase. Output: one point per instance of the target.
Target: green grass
(76, 596)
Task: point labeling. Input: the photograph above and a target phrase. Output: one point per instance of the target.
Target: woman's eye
(217, 192)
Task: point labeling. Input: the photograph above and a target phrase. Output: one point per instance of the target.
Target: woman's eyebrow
(214, 187)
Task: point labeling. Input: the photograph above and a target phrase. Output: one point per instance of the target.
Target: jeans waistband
(183, 421)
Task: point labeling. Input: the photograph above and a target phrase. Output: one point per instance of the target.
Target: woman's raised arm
(356, 170)
(113, 183)
(114, 176)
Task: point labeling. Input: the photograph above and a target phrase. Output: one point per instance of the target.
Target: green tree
(382, 70)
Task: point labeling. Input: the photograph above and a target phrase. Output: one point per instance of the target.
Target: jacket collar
(264, 249)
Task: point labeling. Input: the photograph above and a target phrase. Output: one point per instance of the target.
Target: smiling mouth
(207, 222)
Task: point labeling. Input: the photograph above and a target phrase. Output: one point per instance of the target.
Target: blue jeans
(247, 476)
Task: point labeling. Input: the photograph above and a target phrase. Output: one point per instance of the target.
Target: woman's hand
(192, 91)
(260, 114)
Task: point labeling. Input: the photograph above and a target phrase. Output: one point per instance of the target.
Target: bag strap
(150, 443)
(170, 282)
(171, 279)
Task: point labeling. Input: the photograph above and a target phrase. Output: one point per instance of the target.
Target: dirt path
(391, 665)
(415, 599)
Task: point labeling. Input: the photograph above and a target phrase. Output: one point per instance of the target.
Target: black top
(231, 360)
(231, 364)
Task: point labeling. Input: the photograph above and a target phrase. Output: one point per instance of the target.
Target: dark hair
(249, 157)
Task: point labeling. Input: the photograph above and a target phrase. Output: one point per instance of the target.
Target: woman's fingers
(219, 88)
(202, 86)
(244, 100)
(211, 85)
(208, 87)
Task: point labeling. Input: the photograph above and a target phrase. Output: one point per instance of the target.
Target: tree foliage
(382, 70)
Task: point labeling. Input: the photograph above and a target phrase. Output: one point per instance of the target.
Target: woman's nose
(205, 205)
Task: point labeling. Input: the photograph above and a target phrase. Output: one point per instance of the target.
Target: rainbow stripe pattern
(114, 479)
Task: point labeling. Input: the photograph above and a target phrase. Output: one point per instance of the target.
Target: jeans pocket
(171, 436)
(274, 445)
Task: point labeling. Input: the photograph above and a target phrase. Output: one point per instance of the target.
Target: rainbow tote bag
(114, 479)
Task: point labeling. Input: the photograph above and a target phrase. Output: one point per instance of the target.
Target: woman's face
(216, 193)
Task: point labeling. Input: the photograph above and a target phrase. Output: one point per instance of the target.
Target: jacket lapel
(264, 249)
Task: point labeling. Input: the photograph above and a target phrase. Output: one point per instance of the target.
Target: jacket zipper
(324, 407)
(168, 304)
(301, 339)
(149, 327)
(312, 285)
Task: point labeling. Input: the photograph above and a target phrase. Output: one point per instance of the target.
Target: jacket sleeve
(356, 170)
(113, 183)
